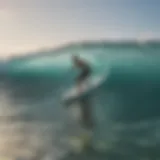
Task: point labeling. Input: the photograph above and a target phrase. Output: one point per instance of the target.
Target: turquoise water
(125, 107)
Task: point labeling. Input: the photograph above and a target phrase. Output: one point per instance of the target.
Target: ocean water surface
(35, 124)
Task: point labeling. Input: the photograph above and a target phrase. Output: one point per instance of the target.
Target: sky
(28, 25)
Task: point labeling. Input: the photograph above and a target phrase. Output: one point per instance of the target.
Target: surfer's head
(75, 57)
(76, 60)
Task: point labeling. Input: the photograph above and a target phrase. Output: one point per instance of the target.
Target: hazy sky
(31, 24)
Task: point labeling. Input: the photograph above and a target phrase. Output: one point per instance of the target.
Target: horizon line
(82, 42)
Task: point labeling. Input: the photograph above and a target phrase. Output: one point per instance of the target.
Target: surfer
(85, 72)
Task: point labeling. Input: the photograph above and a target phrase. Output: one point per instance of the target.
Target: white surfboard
(89, 85)
(83, 140)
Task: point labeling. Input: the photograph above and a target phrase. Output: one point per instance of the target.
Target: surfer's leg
(87, 119)
(87, 123)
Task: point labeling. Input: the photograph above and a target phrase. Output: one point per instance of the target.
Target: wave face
(133, 74)
(126, 107)
(60, 62)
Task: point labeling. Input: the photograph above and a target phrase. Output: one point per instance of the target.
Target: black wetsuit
(87, 119)
(85, 73)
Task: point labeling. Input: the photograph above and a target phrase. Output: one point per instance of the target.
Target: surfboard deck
(87, 87)
(82, 141)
